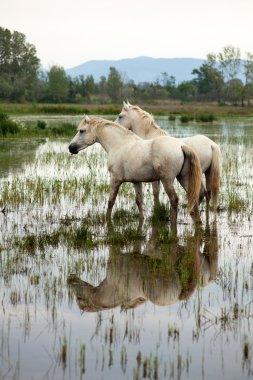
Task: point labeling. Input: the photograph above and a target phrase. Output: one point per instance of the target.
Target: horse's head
(137, 120)
(127, 117)
(85, 136)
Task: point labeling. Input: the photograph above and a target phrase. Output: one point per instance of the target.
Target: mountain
(140, 69)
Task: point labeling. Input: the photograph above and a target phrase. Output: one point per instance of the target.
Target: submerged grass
(55, 227)
(236, 203)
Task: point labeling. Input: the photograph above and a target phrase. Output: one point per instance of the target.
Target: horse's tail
(194, 178)
(215, 174)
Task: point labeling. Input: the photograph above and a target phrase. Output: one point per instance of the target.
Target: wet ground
(83, 298)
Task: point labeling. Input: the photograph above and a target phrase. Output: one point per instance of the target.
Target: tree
(169, 83)
(114, 85)
(186, 90)
(102, 84)
(236, 91)
(57, 88)
(209, 81)
(19, 66)
(89, 85)
(229, 61)
(248, 72)
(5, 88)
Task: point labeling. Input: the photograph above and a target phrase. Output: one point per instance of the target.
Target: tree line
(216, 80)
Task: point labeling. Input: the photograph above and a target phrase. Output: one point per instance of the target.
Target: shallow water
(84, 299)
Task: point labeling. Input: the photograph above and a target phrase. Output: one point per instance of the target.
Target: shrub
(205, 117)
(172, 117)
(41, 124)
(186, 118)
(7, 126)
(64, 129)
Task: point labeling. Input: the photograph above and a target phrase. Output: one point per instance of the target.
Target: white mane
(100, 123)
(148, 121)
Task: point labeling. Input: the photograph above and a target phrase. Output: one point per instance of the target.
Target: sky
(68, 33)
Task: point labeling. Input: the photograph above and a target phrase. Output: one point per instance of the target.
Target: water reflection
(16, 154)
(163, 272)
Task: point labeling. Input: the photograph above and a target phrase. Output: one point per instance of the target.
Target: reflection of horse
(132, 159)
(143, 124)
(164, 273)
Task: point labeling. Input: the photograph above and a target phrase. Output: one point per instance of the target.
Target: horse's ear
(128, 103)
(125, 106)
(86, 118)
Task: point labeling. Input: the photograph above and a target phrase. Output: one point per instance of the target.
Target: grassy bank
(40, 125)
(37, 128)
(157, 108)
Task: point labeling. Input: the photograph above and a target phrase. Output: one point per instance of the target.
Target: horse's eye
(82, 131)
(120, 116)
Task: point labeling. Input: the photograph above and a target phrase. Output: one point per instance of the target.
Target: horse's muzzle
(73, 148)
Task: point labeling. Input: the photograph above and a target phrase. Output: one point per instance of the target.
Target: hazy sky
(68, 33)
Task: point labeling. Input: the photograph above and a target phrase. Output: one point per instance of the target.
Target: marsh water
(81, 298)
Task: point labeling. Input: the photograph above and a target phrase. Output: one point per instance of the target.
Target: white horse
(143, 124)
(132, 159)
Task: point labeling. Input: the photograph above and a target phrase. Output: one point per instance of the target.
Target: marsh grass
(56, 226)
(204, 117)
(129, 235)
(186, 118)
(164, 108)
(7, 126)
(160, 213)
(236, 203)
(197, 117)
(38, 128)
(172, 117)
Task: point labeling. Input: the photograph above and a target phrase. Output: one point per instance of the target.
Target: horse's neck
(147, 129)
(111, 137)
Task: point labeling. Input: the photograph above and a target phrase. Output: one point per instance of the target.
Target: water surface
(81, 298)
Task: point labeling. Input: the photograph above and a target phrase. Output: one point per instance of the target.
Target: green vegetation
(85, 288)
(198, 117)
(19, 67)
(10, 128)
(205, 118)
(7, 126)
(166, 108)
(186, 118)
(54, 228)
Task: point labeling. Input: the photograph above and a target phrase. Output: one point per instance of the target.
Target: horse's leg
(114, 188)
(169, 188)
(208, 188)
(156, 189)
(138, 198)
(203, 192)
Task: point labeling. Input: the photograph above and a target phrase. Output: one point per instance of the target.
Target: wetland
(84, 298)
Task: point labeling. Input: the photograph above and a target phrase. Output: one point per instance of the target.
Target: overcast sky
(68, 33)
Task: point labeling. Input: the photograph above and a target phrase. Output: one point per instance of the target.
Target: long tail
(194, 178)
(215, 174)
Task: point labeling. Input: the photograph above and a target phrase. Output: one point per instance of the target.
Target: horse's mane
(99, 122)
(148, 119)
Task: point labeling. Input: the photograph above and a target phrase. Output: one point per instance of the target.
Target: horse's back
(167, 155)
(204, 147)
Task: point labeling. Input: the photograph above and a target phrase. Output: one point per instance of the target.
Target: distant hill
(140, 69)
